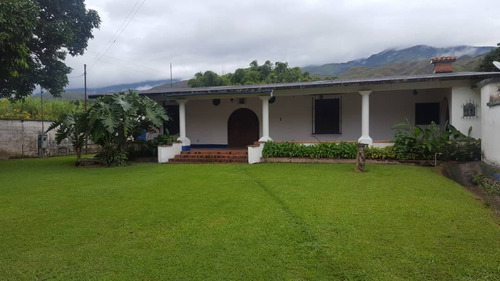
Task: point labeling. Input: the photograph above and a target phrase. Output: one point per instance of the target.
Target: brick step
(212, 156)
(207, 161)
(187, 156)
(214, 153)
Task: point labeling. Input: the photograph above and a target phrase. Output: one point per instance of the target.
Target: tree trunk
(360, 158)
(78, 156)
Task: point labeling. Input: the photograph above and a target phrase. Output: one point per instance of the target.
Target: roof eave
(267, 88)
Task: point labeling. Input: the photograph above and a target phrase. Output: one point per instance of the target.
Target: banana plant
(73, 126)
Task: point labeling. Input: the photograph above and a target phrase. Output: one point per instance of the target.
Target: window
(470, 109)
(327, 115)
(425, 113)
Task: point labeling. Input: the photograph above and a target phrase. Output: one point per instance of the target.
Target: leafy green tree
(115, 118)
(35, 37)
(283, 74)
(263, 70)
(207, 79)
(279, 72)
(17, 22)
(74, 127)
(486, 64)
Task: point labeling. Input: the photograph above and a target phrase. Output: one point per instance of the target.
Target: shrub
(118, 117)
(112, 156)
(164, 139)
(148, 148)
(341, 150)
(383, 153)
(487, 182)
(415, 143)
(30, 109)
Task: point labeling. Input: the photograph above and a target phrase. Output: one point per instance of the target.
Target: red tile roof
(443, 59)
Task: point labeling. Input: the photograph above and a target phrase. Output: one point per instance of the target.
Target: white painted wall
(459, 97)
(207, 124)
(291, 119)
(390, 108)
(291, 116)
(490, 125)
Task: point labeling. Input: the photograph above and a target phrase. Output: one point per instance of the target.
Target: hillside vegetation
(419, 67)
(397, 59)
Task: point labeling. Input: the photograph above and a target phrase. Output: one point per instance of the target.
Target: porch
(325, 111)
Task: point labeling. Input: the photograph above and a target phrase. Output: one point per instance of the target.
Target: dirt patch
(490, 200)
(463, 172)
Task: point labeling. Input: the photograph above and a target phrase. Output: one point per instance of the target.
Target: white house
(363, 110)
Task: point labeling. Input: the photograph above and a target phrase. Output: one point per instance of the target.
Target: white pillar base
(365, 140)
(186, 143)
(265, 139)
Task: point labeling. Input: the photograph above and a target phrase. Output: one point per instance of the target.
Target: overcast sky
(138, 39)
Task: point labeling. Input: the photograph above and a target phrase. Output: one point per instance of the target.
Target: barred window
(470, 110)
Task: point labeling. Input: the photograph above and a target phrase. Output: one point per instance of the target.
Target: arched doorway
(242, 128)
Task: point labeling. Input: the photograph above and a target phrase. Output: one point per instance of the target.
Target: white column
(365, 118)
(265, 119)
(186, 143)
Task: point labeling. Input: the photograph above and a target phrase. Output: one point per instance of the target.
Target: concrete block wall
(19, 138)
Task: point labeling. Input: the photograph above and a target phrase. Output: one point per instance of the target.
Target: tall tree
(35, 37)
(486, 64)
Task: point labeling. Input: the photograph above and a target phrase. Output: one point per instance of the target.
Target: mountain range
(79, 93)
(138, 86)
(392, 62)
(398, 56)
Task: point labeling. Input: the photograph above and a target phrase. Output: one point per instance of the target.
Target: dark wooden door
(242, 128)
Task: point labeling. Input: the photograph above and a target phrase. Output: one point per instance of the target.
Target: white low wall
(167, 152)
(490, 125)
(255, 153)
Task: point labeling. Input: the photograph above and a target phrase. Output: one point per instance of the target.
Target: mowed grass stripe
(240, 222)
(394, 222)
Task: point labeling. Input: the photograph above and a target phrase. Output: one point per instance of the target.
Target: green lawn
(240, 222)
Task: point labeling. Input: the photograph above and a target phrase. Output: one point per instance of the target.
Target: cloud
(197, 35)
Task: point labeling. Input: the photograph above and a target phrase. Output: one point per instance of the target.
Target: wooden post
(360, 158)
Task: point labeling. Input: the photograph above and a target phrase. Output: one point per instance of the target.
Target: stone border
(345, 161)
